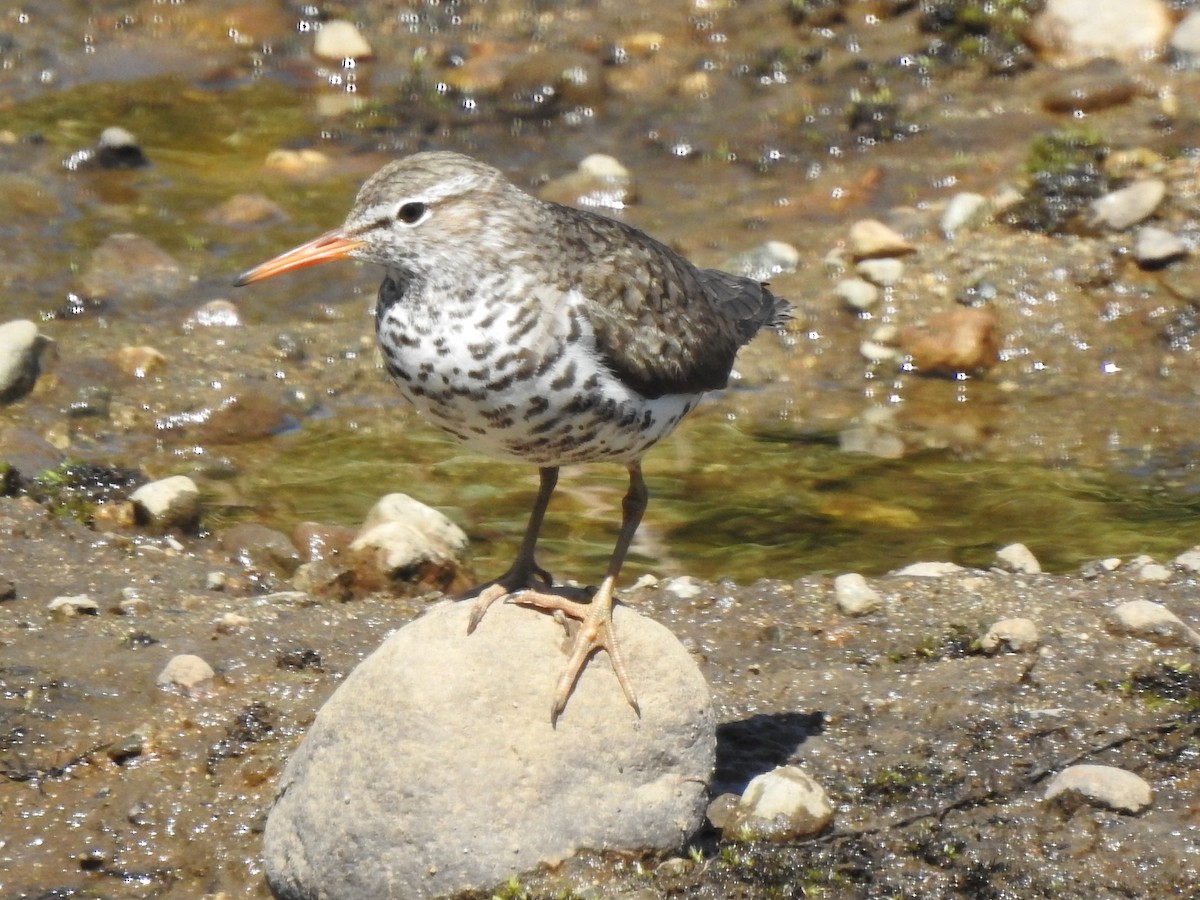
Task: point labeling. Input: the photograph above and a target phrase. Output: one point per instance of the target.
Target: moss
(74, 489)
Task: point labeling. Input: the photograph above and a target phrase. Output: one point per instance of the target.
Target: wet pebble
(260, 549)
(1131, 204)
(1104, 786)
(1189, 561)
(117, 148)
(301, 164)
(245, 210)
(1094, 86)
(318, 541)
(168, 503)
(450, 733)
(71, 605)
(685, 587)
(131, 267)
(1020, 635)
(1185, 39)
(1152, 573)
(600, 182)
(930, 570)
(870, 238)
(857, 293)
(964, 209)
(403, 538)
(21, 346)
(139, 361)
(1153, 621)
(247, 415)
(338, 40)
(781, 805)
(1073, 31)
(854, 596)
(884, 271)
(219, 313)
(1017, 558)
(959, 340)
(764, 262)
(1154, 247)
(187, 674)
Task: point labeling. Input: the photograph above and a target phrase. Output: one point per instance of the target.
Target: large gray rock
(435, 769)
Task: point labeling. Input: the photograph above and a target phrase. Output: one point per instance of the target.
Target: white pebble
(1105, 786)
(187, 674)
(1017, 558)
(74, 605)
(1146, 619)
(854, 596)
(1018, 635)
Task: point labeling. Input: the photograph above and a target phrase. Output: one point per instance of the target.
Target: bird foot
(520, 578)
(596, 632)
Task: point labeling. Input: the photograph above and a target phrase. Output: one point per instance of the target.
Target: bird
(541, 333)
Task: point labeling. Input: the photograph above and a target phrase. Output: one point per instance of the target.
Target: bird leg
(596, 628)
(524, 573)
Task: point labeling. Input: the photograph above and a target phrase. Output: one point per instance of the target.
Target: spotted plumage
(539, 333)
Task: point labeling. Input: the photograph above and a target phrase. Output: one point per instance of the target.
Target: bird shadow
(749, 747)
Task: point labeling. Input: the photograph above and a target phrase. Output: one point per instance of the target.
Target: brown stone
(959, 340)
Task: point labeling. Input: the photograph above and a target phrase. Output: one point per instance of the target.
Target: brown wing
(662, 325)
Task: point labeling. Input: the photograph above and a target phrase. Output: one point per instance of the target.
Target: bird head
(417, 214)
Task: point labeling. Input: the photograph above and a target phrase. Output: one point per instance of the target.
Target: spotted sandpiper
(538, 332)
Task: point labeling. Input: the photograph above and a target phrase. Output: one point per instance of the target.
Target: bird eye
(412, 212)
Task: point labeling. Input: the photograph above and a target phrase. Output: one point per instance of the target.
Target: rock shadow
(749, 747)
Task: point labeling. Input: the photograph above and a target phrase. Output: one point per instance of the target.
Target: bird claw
(516, 581)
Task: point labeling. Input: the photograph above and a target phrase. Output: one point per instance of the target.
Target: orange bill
(331, 245)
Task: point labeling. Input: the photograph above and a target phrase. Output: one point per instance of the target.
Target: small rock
(959, 340)
(871, 440)
(339, 40)
(140, 361)
(870, 238)
(168, 503)
(215, 581)
(74, 605)
(764, 262)
(857, 293)
(422, 703)
(1154, 247)
(1019, 635)
(1074, 31)
(930, 570)
(1128, 206)
(1096, 85)
(1153, 621)
(1017, 558)
(260, 549)
(1189, 561)
(186, 674)
(1185, 39)
(231, 623)
(685, 587)
(1153, 573)
(116, 149)
(964, 209)
(720, 811)
(318, 541)
(250, 414)
(402, 539)
(301, 164)
(246, 210)
(854, 596)
(20, 358)
(599, 182)
(1105, 786)
(8, 590)
(781, 805)
(131, 267)
(218, 313)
